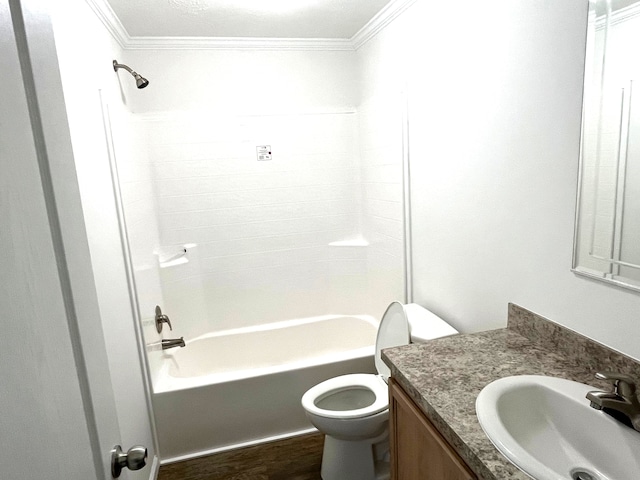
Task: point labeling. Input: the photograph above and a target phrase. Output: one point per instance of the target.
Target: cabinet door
(418, 451)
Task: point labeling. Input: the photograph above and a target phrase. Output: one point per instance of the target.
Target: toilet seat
(374, 383)
(392, 331)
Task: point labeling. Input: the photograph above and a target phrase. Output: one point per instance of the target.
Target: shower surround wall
(262, 230)
(316, 230)
(141, 217)
(381, 155)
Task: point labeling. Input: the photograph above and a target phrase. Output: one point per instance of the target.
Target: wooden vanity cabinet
(418, 451)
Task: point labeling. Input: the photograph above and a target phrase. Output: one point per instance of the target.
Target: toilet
(353, 410)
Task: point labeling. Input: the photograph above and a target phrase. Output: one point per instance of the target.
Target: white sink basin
(545, 427)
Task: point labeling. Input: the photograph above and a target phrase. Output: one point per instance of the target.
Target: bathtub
(241, 387)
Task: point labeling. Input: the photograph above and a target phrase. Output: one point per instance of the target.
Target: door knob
(134, 459)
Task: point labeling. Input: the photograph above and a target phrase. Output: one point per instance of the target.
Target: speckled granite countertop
(444, 377)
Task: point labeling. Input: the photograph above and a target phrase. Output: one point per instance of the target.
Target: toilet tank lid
(425, 325)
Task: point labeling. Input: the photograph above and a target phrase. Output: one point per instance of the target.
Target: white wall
(243, 81)
(495, 128)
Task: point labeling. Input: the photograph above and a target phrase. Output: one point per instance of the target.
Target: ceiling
(326, 19)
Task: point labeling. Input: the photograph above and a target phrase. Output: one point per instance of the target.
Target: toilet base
(353, 460)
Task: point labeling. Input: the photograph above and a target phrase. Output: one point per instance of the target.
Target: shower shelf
(173, 256)
(354, 242)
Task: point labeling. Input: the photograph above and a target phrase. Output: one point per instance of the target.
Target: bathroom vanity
(435, 432)
(418, 451)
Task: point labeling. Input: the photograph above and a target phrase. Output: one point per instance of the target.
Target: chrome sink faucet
(172, 343)
(622, 403)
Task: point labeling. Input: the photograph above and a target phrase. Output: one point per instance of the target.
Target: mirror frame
(575, 266)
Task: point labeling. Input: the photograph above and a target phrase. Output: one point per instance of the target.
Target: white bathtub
(239, 387)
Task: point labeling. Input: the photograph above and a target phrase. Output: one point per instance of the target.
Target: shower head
(141, 82)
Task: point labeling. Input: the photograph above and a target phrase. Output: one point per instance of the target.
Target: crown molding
(163, 116)
(237, 43)
(617, 16)
(384, 17)
(110, 20)
(625, 14)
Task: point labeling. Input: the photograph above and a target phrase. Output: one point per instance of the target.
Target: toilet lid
(392, 332)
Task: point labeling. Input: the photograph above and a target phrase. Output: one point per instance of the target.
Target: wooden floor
(296, 458)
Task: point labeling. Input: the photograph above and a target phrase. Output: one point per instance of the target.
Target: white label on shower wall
(263, 152)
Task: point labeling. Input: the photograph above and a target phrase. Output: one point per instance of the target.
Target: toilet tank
(425, 325)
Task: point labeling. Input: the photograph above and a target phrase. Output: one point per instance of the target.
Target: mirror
(607, 235)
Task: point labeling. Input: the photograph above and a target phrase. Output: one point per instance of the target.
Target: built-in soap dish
(174, 255)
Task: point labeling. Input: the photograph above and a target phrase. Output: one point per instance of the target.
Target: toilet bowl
(353, 410)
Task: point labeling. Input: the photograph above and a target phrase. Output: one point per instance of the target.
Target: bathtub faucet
(172, 343)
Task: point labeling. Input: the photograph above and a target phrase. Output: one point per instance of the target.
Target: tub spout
(172, 343)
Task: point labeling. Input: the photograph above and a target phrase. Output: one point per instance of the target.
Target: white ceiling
(330, 19)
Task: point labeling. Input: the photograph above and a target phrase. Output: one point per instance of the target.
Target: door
(60, 417)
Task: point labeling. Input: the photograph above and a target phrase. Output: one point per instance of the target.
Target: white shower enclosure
(221, 239)
(257, 205)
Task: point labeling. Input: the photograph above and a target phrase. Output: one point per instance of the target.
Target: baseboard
(237, 446)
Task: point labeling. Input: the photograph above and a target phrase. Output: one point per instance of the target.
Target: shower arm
(141, 82)
(117, 65)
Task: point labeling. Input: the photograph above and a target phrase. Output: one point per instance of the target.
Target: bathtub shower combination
(315, 231)
(243, 386)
